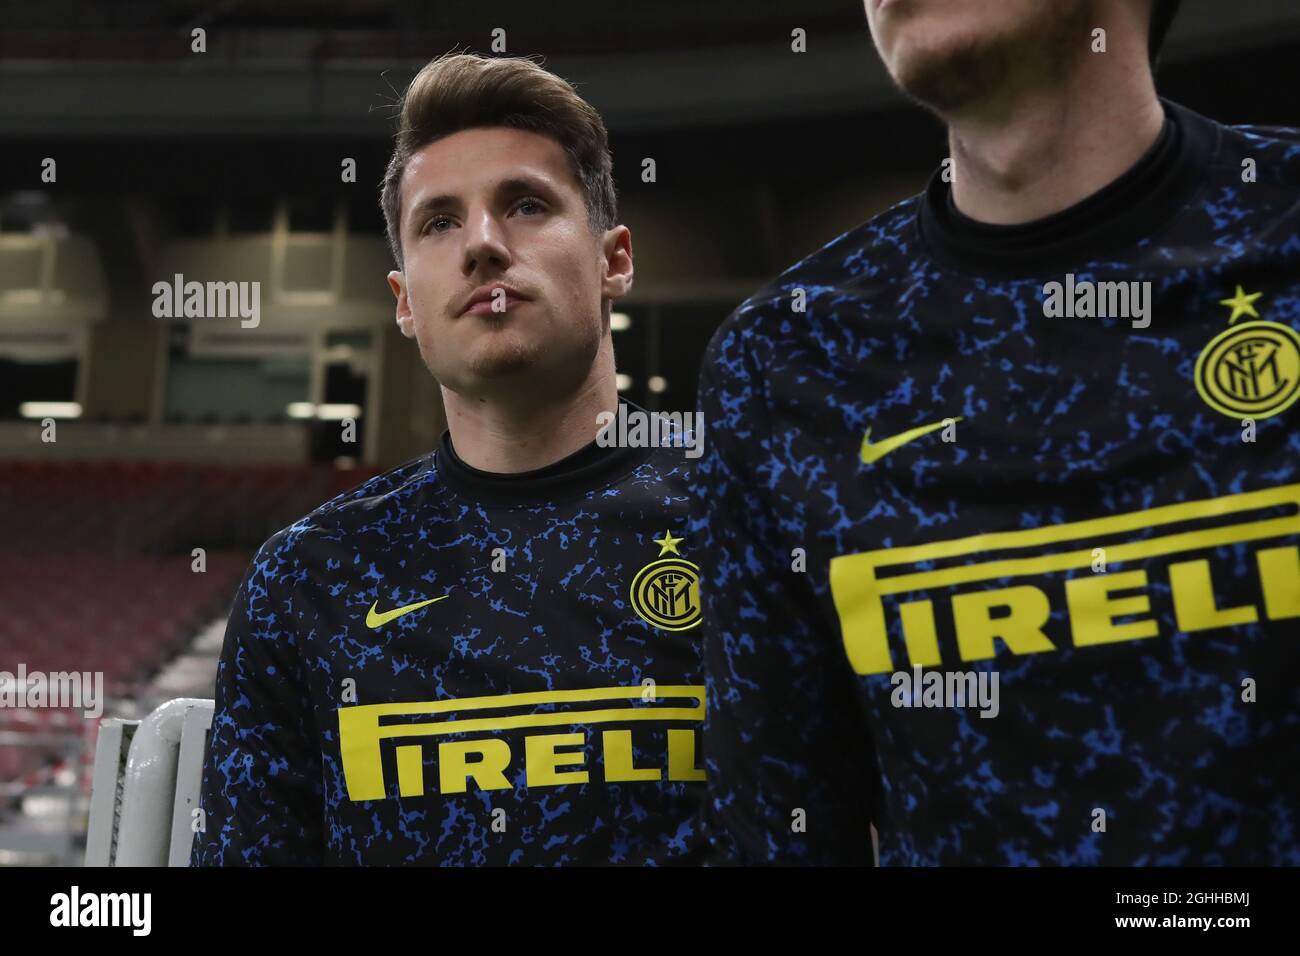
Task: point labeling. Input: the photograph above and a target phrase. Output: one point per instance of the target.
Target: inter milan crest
(666, 593)
(1250, 370)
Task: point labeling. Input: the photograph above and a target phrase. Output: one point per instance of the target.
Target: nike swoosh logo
(376, 618)
(874, 452)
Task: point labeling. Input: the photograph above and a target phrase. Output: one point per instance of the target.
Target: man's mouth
(489, 306)
(493, 298)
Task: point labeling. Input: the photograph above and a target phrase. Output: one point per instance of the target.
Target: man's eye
(432, 224)
(534, 203)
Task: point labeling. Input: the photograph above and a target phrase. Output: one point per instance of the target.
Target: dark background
(762, 156)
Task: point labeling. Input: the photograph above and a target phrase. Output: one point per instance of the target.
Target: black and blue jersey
(445, 666)
(941, 452)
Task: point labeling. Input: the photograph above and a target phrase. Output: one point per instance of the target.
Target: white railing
(146, 786)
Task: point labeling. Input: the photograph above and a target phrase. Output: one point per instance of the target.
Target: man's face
(501, 209)
(949, 53)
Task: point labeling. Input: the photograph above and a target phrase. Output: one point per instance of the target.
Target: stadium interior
(179, 445)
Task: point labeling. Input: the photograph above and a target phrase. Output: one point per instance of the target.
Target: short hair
(459, 91)
(1162, 18)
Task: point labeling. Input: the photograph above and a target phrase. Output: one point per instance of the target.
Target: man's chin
(949, 78)
(503, 365)
(958, 66)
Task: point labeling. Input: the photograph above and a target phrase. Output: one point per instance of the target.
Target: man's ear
(616, 248)
(405, 321)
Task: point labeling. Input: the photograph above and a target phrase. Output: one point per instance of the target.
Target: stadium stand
(98, 574)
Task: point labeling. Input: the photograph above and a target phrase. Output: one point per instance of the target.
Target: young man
(487, 655)
(1004, 485)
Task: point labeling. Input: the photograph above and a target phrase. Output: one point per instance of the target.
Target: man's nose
(485, 244)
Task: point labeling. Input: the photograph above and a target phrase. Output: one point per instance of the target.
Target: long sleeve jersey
(1004, 525)
(446, 666)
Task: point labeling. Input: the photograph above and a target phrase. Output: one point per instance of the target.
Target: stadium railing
(145, 789)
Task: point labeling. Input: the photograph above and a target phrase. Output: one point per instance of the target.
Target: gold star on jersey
(666, 592)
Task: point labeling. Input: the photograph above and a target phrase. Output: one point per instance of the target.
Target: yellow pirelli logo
(1095, 603)
(485, 760)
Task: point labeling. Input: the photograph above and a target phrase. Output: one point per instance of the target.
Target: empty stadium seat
(96, 571)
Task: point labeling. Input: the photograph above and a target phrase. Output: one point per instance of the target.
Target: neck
(521, 430)
(1025, 156)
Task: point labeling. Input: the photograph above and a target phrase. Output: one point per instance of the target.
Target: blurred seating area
(97, 574)
(155, 508)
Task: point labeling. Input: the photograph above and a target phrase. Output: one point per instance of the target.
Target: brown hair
(463, 90)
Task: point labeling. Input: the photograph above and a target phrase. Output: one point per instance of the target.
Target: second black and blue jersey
(1058, 462)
